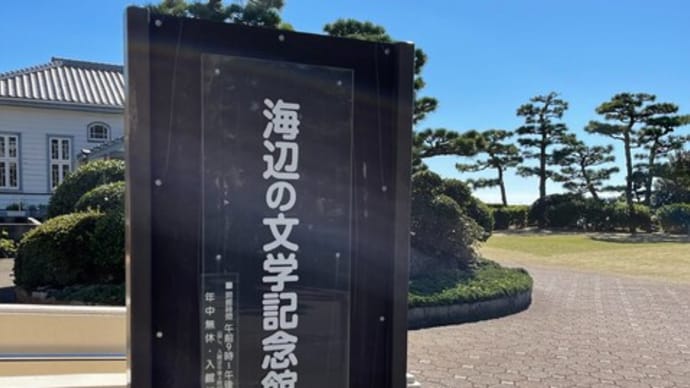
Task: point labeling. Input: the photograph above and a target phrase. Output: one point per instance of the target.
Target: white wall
(34, 126)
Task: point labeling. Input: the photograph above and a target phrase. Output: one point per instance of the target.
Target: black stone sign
(267, 206)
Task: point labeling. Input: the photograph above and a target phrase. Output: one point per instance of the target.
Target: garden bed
(486, 290)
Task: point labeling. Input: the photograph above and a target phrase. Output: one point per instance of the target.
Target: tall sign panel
(268, 206)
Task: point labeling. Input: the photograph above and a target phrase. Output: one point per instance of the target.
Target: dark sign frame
(163, 206)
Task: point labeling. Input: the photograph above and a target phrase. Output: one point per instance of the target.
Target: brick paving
(582, 330)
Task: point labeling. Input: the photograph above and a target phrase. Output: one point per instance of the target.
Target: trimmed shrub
(57, 253)
(642, 218)
(98, 294)
(506, 217)
(83, 180)
(72, 249)
(485, 281)
(8, 248)
(558, 210)
(106, 198)
(440, 228)
(575, 212)
(458, 190)
(108, 243)
(481, 214)
(425, 186)
(14, 206)
(472, 207)
(675, 218)
(605, 216)
(619, 218)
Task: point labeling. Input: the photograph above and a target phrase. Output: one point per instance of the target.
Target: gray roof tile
(66, 81)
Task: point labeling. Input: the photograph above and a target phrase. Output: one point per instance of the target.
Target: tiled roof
(107, 147)
(65, 81)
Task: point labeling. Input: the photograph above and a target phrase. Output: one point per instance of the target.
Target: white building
(50, 114)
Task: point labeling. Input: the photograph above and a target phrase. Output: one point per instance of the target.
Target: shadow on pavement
(641, 238)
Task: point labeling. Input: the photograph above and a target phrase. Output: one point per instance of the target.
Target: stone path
(582, 330)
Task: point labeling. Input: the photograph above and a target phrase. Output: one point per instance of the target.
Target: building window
(60, 155)
(9, 162)
(98, 132)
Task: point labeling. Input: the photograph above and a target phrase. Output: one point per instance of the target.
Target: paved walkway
(6, 281)
(582, 330)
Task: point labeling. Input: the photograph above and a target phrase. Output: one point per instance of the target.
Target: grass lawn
(662, 260)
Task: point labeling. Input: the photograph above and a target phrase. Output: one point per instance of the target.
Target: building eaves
(65, 81)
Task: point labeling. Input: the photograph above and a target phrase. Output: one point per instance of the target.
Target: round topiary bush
(481, 214)
(57, 253)
(441, 229)
(108, 242)
(509, 216)
(72, 249)
(106, 198)
(557, 211)
(675, 218)
(84, 179)
(472, 207)
(458, 190)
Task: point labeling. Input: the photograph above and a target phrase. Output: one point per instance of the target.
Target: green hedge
(572, 211)
(675, 218)
(98, 294)
(81, 181)
(72, 249)
(486, 280)
(557, 210)
(612, 216)
(506, 217)
(106, 198)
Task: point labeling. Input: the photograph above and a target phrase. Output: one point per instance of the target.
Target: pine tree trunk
(588, 181)
(542, 179)
(503, 187)
(629, 182)
(649, 179)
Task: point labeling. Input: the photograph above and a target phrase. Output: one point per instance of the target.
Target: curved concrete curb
(420, 317)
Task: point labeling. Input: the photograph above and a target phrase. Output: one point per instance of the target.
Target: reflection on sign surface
(276, 214)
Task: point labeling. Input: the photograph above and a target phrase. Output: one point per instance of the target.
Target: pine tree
(582, 166)
(351, 28)
(628, 113)
(658, 141)
(500, 156)
(538, 136)
(259, 13)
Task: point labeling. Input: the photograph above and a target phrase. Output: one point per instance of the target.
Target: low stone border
(429, 316)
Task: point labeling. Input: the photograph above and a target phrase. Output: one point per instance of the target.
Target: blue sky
(485, 57)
